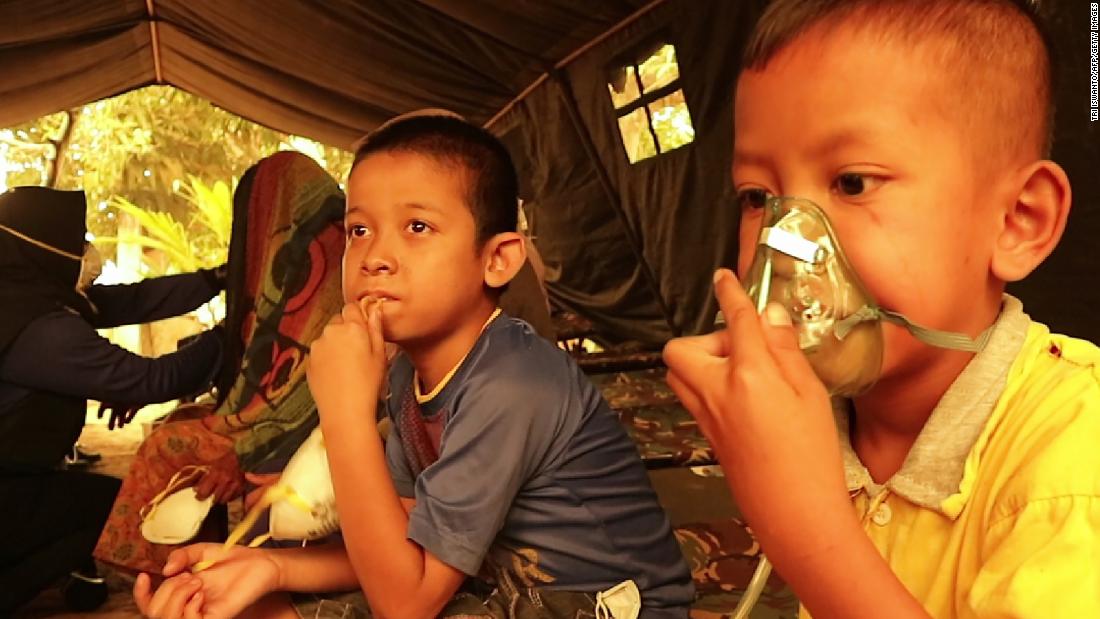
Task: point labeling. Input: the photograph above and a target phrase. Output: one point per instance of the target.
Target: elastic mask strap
(273, 494)
(940, 339)
(845, 325)
(181, 479)
(932, 337)
(37, 243)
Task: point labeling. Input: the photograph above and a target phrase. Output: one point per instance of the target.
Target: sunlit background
(159, 167)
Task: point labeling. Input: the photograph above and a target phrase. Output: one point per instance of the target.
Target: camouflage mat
(664, 431)
(610, 362)
(666, 436)
(719, 549)
(722, 556)
(636, 388)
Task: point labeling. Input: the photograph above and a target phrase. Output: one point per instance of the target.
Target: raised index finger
(374, 328)
(746, 341)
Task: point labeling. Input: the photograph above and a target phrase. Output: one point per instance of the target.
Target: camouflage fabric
(664, 431)
(507, 600)
(722, 556)
(634, 389)
(721, 553)
(666, 436)
(571, 326)
(608, 362)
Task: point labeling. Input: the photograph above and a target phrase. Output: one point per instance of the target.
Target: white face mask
(91, 266)
(177, 518)
(623, 601)
(175, 515)
(800, 265)
(304, 504)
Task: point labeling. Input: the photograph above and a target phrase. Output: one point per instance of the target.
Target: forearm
(60, 352)
(391, 569)
(152, 299)
(831, 564)
(314, 569)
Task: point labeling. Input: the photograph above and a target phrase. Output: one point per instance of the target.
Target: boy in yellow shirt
(920, 130)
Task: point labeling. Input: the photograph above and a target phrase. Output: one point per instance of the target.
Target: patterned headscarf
(283, 286)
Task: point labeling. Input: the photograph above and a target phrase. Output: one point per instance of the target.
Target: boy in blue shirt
(504, 461)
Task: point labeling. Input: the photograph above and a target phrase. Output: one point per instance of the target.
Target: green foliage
(161, 232)
(212, 213)
(667, 119)
(157, 150)
(203, 243)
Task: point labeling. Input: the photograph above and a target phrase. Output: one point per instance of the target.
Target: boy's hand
(234, 583)
(347, 364)
(766, 414)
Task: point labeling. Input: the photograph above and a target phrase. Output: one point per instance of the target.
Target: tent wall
(591, 268)
(327, 68)
(678, 203)
(1064, 292)
(56, 56)
(676, 207)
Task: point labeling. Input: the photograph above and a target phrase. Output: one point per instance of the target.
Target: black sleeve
(152, 299)
(62, 353)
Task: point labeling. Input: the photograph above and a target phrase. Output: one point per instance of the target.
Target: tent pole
(154, 40)
(612, 197)
(561, 64)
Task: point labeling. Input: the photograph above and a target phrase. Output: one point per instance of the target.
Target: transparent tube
(754, 590)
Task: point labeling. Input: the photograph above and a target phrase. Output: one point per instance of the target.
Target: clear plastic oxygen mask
(799, 264)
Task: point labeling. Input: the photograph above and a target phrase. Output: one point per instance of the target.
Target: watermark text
(1094, 61)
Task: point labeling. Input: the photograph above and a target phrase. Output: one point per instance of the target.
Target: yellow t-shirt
(996, 510)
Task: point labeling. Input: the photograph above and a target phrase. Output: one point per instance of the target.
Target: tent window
(649, 103)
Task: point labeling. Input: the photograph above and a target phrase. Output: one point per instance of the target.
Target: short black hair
(999, 50)
(492, 188)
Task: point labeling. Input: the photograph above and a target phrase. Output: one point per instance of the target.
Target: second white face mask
(307, 509)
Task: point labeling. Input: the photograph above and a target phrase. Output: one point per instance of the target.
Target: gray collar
(934, 467)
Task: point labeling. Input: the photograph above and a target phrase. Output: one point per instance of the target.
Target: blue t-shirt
(535, 472)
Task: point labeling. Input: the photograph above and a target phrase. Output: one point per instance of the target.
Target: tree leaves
(158, 151)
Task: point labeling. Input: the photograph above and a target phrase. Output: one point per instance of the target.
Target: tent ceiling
(330, 70)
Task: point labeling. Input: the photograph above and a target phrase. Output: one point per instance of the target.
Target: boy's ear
(504, 254)
(1034, 223)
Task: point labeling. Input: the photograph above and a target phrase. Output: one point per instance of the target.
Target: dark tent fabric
(1064, 292)
(328, 69)
(675, 210)
(679, 204)
(591, 266)
(629, 246)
